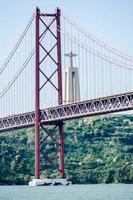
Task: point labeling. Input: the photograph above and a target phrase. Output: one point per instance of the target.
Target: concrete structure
(72, 86)
(43, 182)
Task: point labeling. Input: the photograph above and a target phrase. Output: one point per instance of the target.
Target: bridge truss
(55, 115)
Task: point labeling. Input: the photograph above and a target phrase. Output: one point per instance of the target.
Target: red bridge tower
(39, 59)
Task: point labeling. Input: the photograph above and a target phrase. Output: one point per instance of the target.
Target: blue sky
(109, 20)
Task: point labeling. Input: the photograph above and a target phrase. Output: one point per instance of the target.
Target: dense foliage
(97, 150)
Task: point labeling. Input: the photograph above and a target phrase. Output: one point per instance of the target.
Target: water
(74, 192)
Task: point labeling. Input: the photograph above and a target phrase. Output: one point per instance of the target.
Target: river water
(73, 192)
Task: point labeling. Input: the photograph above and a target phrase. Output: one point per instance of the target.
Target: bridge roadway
(110, 104)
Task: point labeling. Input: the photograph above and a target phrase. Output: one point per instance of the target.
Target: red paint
(37, 120)
(60, 129)
(61, 151)
(58, 28)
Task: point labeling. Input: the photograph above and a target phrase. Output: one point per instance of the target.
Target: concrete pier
(46, 182)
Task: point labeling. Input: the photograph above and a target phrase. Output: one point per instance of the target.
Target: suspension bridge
(32, 81)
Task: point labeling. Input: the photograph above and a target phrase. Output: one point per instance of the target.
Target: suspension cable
(8, 86)
(99, 42)
(94, 52)
(17, 44)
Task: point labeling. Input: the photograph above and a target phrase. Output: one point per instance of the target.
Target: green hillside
(97, 150)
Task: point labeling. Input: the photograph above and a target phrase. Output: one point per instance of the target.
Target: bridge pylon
(41, 30)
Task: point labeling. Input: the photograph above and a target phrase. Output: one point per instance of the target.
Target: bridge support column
(37, 117)
(61, 151)
(60, 101)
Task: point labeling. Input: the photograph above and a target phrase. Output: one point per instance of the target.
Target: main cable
(4, 91)
(17, 44)
(8, 86)
(95, 53)
(99, 42)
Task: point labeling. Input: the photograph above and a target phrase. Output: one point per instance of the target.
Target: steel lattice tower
(40, 20)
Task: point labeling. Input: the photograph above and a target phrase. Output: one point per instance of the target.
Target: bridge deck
(53, 115)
